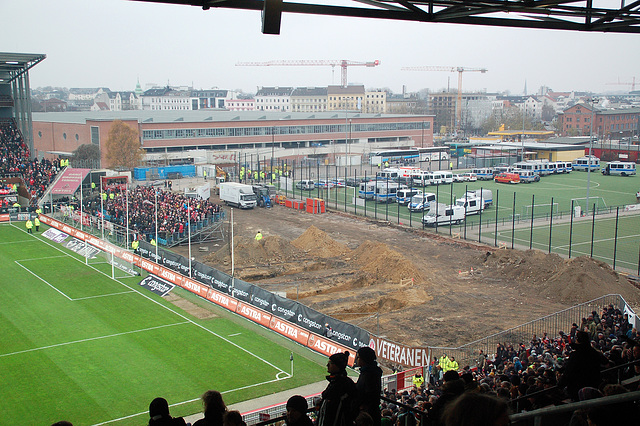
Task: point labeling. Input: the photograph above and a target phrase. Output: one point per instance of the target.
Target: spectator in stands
(233, 418)
(475, 409)
(369, 385)
(214, 409)
(159, 414)
(336, 407)
(297, 412)
(583, 367)
(62, 423)
(452, 388)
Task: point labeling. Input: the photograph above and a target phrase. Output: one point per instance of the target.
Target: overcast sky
(112, 43)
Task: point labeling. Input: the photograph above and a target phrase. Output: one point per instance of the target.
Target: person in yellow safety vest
(29, 226)
(93, 186)
(418, 381)
(38, 212)
(450, 165)
(443, 363)
(15, 187)
(386, 164)
(453, 364)
(36, 222)
(61, 162)
(258, 236)
(152, 242)
(66, 162)
(204, 173)
(111, 195)
(273, 176)
(255, 175)
(16, 204)
(134, 245)
(262, 175)
(379, 165)
(104, 196)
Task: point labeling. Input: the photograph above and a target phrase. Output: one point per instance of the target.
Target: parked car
(469, 177)
(458, 178)
(507, 178)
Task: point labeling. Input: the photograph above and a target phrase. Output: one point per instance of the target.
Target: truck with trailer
(238, 195)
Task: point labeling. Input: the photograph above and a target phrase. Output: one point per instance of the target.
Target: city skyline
(113, 43)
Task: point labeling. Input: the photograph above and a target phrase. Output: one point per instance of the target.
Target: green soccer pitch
(80, 346)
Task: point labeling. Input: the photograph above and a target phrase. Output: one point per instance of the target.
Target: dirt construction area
(427, 289)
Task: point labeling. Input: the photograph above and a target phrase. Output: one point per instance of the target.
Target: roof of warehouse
(208, 115)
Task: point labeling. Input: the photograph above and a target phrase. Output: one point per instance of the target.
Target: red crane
(620, 83)
(343, 64)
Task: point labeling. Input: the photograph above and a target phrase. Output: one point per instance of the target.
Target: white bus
(584, 163)
(620, 168)
(483, 173)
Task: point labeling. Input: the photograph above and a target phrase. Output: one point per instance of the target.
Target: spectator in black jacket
(336, 407)
(369, 384)
(583, 367)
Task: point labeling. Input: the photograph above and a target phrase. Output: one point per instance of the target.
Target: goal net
(539, 210)
(109, 264)
(595, 204)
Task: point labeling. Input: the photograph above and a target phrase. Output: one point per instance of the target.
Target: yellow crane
(459, 70)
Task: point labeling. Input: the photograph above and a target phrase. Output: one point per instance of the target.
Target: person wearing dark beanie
(297, 412)
(159, 414)
(337, 399)
(369, 384)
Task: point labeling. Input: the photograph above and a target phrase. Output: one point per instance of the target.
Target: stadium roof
(207, 115)
(585, 15)
(13, 65)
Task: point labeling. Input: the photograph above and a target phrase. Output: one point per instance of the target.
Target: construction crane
(619, 83)
(314, 63)
(459, 70)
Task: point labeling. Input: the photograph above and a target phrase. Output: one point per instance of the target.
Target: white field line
(60, 291)
(42, 279)
(234, 334)
(90, 339)
(163, 306)
(193, 400)
(17, 242)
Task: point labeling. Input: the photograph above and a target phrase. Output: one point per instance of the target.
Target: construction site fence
(117, 234)
(467, 355)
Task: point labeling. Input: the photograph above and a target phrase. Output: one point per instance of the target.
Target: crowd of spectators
(15, 161)
(175, 210)
(546, 371)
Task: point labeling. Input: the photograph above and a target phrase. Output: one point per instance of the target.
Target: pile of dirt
(571, 281)
(248, 252)
(319, 244)
(382, 264)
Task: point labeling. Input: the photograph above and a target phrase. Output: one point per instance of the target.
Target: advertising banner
(82, 249)
(289, 330)
(69, 182)
(241, 290)
(254, 314)
(327, 347)
(54, 235)
(157, 285)
(222, 300)
(399, 354)
(175, 262)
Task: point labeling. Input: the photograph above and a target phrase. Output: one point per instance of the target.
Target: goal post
(109, 264)
(595, 203)
(539, 209)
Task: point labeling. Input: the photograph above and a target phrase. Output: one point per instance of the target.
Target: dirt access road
(421, 284)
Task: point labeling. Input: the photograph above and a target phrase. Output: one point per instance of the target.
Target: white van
(485, 194)
(483, 173)
(527, 176)
(620, 168)
(442, 178)
(442, 214)
(471, 205)
(422, 202)
(404, 196)
(305, 185)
